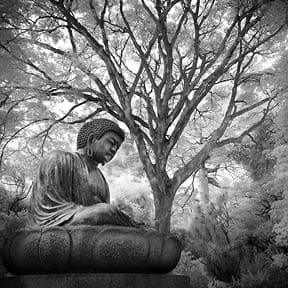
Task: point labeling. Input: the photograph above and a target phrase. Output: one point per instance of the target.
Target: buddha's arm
(57, 190)
(101, 214)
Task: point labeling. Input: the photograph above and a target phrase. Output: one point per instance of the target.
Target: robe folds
(62, 187)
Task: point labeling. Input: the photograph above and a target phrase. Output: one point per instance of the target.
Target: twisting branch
(13, 136)
(116, 77)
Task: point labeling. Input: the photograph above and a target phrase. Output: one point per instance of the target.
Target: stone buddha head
(99, 140)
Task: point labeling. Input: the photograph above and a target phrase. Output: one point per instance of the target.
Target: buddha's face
(104, 150)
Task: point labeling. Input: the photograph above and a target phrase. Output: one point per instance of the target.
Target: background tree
(164, 68)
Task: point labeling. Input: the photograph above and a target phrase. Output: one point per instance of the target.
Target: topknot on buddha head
(97, 128)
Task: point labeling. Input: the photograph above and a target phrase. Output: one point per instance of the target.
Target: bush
(192, 268)
(9, 224)
(273, 277)
(277, 277)
(223, 263)
(257, 280)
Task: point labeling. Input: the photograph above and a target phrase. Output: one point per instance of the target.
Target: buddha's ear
(90, 139)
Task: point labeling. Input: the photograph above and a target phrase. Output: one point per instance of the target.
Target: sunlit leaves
(185, 76)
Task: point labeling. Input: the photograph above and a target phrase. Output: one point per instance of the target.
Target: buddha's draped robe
(62, 187)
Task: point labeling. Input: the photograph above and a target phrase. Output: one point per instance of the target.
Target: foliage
(223, 263)
(256, 155)
(271, 278)
(210, 239)
(137, 205)
(192, 268)
(259, 217)
(8, 225)
(280, 260)
(254, 280)
(281, 231)
(277, 277)
(278, 185)
(256, 209)
(12, 218)
(248, 231)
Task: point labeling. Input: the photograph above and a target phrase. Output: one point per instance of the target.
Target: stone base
(96, 280)
(90, 249)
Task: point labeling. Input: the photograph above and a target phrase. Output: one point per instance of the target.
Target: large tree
(167, 69)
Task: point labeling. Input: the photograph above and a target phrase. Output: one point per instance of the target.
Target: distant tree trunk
(203, 189)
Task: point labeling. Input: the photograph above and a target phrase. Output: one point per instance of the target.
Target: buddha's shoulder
(60, 155)
(60, 160)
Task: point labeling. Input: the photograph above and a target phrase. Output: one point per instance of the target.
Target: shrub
(254, 280)
(223, 263)
(277, 277)
(192, 268)
(8, 225)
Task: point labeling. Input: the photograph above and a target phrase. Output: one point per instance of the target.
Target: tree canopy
(171, 71)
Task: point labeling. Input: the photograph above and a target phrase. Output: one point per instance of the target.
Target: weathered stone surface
(96, 280)
(85, 248)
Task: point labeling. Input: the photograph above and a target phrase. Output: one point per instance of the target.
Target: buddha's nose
(113, 149)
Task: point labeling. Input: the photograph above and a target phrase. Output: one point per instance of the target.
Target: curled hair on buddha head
(97, 128)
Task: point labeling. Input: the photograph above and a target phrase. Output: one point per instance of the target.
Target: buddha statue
(70, 188)
(72, 227)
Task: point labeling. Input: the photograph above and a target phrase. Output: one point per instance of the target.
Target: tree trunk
(163, 207)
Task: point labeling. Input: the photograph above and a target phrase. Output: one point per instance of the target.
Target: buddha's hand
(129, 220)
(103, 214)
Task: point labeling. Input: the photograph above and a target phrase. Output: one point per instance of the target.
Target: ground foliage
(255, 250)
